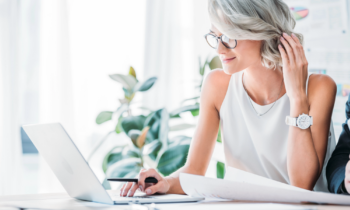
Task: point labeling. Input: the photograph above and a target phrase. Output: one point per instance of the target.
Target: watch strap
(291, 121)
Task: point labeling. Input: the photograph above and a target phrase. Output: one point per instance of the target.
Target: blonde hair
(264, 20)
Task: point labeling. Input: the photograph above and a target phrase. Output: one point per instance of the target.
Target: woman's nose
(221, 49)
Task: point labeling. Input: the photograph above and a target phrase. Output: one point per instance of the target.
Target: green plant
(149, 145)
(220, 170)
(131, 86)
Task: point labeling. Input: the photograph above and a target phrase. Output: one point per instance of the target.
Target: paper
(233, 174)
(232, 205)
(200, 186)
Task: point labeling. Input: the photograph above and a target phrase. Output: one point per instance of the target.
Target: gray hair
(264, 20)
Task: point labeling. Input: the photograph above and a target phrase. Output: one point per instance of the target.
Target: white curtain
(174, 41)
(81, 43)
(56, 102)
(56, 55)
(10, 144)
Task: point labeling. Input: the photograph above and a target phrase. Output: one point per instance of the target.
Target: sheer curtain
(174, 41)
(78, 51)
(10, 144)
(56, 68)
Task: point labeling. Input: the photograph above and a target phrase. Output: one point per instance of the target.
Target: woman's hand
(162, 186)
(295, 67)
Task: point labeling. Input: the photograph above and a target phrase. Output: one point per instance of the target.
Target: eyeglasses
(227, 42)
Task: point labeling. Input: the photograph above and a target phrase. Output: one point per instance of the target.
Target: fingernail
(282, 38)
(293, 35)
(141, 188)
(279, 46)
(148, 191)
(285, 34)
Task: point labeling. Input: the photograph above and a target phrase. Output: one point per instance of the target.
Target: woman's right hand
(162, 186)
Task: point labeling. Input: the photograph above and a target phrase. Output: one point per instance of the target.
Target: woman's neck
(263, 85)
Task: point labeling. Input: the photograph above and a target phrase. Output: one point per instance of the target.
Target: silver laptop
(74, 173)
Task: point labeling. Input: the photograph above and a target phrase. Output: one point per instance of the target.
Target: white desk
(63, 201)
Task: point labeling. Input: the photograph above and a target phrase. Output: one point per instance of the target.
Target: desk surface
(63, 201)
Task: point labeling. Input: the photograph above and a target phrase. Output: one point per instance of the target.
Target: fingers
(283, 54)
(301, 54)
(133, 189)
(147, 173)
(125, 189)
(152, 189)
(287, 46)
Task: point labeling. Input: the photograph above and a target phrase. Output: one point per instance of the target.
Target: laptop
(74, 173)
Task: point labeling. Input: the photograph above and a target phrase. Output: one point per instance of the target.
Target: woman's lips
(228, 60)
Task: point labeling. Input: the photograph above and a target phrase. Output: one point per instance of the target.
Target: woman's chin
(231, 70)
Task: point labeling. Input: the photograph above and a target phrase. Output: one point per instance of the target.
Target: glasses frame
(217, 38)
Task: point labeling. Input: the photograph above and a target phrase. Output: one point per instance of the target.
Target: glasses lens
(212, 41)
(228, 42)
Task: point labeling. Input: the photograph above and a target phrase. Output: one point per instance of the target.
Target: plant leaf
(173, 159)
(153, 120)
(132, 122)
(220, 170)
(104, 117)
(195, 112)
(127, 81)
(132, 72)
(164, 128)
(122, 168)
(152, 148)
(218, 139)
(215, 63)
(180, 140)
(106, 184)
(184, 109)
(134, 134)
(112, 156)
(145, 85)
(131, 152)
(142, 137)
(118, 128)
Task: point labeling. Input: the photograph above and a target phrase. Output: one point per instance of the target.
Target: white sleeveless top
(259, 144)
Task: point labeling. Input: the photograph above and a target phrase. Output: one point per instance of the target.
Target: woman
(264, 80)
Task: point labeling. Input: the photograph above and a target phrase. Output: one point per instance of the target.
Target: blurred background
(124, 77)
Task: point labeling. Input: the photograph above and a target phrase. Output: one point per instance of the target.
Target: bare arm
(202, 144)
(306, 148)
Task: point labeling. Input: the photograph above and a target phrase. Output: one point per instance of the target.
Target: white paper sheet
(233, 174)
(200, 186)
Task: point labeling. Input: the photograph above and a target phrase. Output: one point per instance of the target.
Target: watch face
(303, 121)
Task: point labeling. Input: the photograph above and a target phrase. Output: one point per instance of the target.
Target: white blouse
(258, 144)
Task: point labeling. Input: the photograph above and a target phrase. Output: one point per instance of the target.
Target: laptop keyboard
(118, 197)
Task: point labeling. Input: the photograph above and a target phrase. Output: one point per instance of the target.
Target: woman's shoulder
(217, 81)
(217, 76)
(321, 85)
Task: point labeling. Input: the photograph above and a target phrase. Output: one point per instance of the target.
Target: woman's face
(244, 55)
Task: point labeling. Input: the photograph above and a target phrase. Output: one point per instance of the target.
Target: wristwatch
(303, 121)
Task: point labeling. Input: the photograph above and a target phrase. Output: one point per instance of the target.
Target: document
(233, 174)
(245, 189)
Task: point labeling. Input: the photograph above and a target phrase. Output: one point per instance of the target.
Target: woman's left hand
(295, 67)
